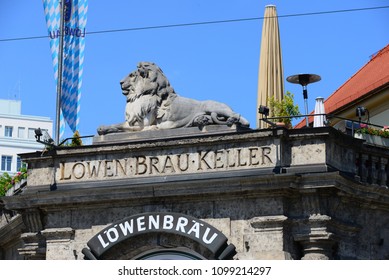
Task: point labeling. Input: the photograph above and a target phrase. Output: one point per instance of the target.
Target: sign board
(157, 222)
(168, 162)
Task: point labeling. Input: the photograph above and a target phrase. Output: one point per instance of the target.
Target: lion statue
(153, 104)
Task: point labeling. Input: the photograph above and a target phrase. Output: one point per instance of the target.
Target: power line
(201, 23)
(335, 12)
(233, 20)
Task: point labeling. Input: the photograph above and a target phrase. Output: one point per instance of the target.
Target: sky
(202, 61)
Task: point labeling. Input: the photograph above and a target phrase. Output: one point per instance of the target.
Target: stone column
(265, 240)
(59, 243)
(316, 246)
(317, 243)
(374, 171)
(383, 174)
(364, 167)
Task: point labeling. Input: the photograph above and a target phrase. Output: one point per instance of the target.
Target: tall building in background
(17, 134)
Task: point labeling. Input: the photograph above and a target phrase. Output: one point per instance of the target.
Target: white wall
(17, 144)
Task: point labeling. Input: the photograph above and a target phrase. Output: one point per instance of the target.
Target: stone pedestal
(266, 239)
(58, 243)
(34, 246)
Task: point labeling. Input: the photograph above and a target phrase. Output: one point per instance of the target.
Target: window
(6, 162)
(8, 131)
(19, 164)
(31, 133)
(21, 131)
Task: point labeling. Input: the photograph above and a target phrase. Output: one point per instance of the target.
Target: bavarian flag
(75, 17)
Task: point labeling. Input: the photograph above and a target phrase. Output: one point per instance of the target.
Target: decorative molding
(58, 234)
(34, 246)
(268, 223)
(32, 220)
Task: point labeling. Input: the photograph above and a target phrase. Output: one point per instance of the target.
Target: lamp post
(304, 80)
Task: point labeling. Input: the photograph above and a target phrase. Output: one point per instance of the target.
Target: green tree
(284, 108)
(76, 140)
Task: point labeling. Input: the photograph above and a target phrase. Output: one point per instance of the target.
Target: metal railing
(355, 124)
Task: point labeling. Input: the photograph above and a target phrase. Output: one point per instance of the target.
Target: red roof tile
(371, 76)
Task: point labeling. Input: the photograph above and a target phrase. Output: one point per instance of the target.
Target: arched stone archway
(159, 235)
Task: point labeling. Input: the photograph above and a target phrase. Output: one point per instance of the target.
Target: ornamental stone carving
(153, 104)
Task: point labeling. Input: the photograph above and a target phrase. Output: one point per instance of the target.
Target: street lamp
(46, 139)
(304, 80)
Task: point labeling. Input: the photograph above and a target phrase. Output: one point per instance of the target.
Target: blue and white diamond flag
(75, 17)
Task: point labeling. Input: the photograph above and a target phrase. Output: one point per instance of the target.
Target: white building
(17, 134)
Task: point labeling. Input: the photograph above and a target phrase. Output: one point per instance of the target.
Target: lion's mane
(147, 90)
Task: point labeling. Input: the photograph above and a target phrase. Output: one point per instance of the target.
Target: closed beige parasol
(271, 76)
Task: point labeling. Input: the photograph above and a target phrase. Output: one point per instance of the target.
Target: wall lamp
(46, 139)
(38, 134)
(263, 110)
(361, 111)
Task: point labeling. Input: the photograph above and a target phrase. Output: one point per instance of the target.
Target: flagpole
(59, 80)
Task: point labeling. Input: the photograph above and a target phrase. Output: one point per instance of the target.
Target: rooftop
(373, 76)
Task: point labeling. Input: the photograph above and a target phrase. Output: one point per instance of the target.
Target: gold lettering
(95, 169)
(221, 159)
(265, 152)
(228, 159)
(168, 164)
(202, 156)
(218, 159)
(240, 158)
(153, 164)
(140, 166)
(179, 162)
(78, 170)
(119, 165)
(108, 168)
(253, 156)
(62, 172)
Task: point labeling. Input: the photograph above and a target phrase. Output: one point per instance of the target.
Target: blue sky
(213, 61)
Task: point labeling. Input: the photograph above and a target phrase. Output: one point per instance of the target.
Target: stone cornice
(276, 161)
(9, 231)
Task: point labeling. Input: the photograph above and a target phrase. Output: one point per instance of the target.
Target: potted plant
(373, 135)
(7, 181)
(284, 109)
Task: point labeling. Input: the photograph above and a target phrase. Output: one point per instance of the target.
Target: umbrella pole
(305, 93)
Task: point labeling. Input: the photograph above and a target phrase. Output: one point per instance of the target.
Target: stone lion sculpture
(153, 104)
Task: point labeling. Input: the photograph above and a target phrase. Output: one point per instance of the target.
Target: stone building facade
(215, 194)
